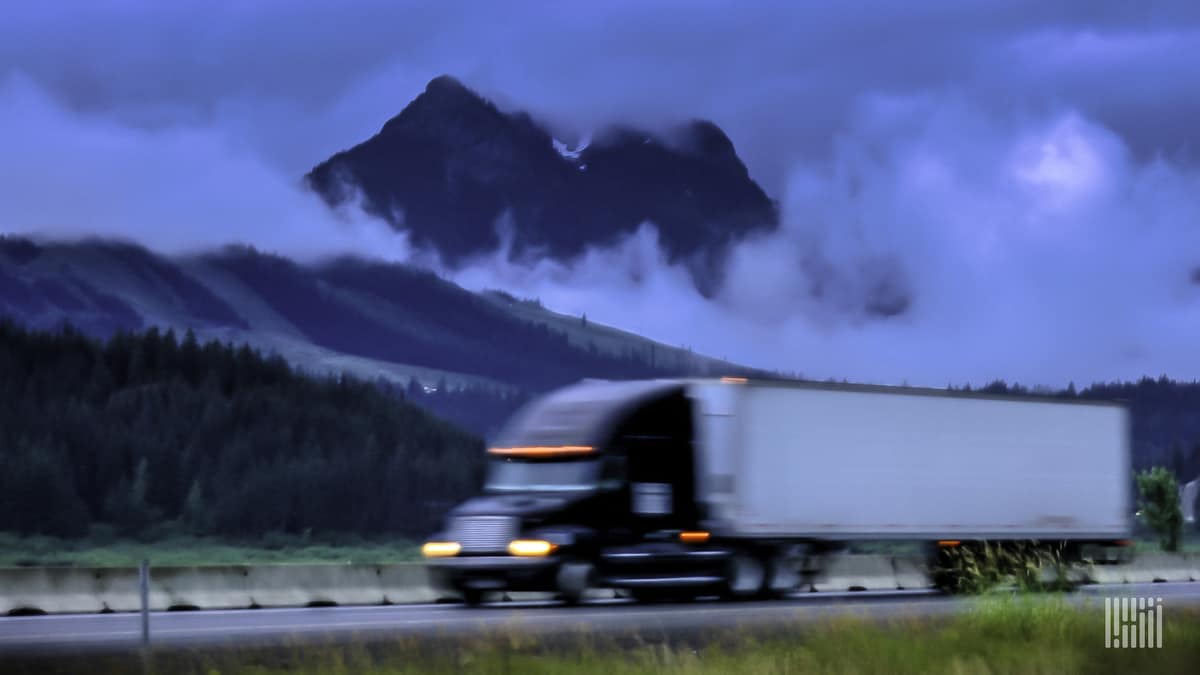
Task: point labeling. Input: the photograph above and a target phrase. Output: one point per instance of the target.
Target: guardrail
(116, 589)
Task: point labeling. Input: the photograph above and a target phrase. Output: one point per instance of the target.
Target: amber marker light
(530, 547)
(440, 549)
(693, 537)
(949, 543)
(542, 450)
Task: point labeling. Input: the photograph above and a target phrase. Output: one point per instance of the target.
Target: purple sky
(1029, 170)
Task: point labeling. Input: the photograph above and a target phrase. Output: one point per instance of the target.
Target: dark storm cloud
(301, 79)
(1019, 177)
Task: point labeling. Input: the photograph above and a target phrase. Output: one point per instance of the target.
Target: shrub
(1159, 506)
(982, 567)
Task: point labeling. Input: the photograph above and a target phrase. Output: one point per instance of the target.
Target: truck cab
(591, 486)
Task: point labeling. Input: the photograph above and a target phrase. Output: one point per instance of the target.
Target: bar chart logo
(1133, 623)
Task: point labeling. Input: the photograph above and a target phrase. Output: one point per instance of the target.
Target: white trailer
(842, 462)
(741, 487)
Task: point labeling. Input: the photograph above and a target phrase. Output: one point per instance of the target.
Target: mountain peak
(706, 139)
(446, 102)
(447, 85)
(453, 165)
(446, 93)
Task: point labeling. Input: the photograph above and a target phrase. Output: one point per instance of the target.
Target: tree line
(149, 428)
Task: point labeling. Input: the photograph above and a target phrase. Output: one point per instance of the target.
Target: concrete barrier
(1149, 568)
(911, 573)
(83, 590)
(843, 572)
(216, 587)
(408, 584)
(86, 590)
(300, 585)
(64, 589)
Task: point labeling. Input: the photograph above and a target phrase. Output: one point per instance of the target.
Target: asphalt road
(101, 632)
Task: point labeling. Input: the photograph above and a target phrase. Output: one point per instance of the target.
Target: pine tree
(190, 357)
(127, 506)
(195, 515)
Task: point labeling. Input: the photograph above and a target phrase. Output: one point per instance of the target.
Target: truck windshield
(513, 475)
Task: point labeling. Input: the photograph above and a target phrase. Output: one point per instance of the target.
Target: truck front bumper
(493, 573)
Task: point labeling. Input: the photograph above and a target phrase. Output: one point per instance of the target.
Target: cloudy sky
(1029, 171)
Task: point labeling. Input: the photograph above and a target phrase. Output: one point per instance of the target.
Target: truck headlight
(531, 547)
(440, 549)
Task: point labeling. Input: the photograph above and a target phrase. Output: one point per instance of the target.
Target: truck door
(658, 445)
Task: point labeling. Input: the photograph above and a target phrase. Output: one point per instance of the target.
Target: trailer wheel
(746, 577)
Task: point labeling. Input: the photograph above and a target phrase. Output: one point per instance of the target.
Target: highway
(104, 632)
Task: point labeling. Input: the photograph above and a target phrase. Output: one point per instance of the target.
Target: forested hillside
(146, 431)
(150, 431)
(482, 352)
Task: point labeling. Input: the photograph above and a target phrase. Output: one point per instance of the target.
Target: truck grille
(483, 534)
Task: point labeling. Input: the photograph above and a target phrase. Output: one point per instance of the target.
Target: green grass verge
(1022, 635)
(189, 550)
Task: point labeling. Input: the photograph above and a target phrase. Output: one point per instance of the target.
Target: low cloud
(1008, 190)
(1029, 249)
(296, 82)
(67, 175)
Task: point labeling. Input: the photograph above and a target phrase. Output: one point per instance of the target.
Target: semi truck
(732, 487)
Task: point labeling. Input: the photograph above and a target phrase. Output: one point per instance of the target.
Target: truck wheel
(573, 581)
(783, 576)
(746, 577)
(656, 595)
(472, 597)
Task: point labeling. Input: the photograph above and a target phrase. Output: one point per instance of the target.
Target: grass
(998, 635)
(102, 551)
